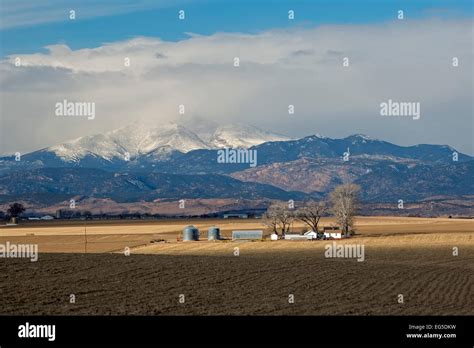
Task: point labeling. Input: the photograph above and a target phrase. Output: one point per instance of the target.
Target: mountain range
(133, 144)
(147, 163)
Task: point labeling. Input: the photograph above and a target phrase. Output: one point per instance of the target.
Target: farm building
(237, 216)
(247, 234)
(190, 233)
(213, 233)
(332, 232)
(311, 235)
(295, 237)
(335, 235)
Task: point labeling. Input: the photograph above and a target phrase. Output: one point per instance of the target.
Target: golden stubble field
(108, 236)
(412, 257)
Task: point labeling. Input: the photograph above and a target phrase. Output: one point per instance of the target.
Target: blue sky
(29, 25)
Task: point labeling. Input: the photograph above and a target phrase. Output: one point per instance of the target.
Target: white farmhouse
(335, 235)
(332, 232)
(311, 235)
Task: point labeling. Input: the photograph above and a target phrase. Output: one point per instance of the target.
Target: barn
(332, 232)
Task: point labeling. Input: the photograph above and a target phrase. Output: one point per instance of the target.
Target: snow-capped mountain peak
(242, 136)
(130, 141)
(135, 140)
(142, 139)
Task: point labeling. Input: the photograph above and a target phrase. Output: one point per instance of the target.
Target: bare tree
(279, 218)
(345, 203)
(311, 213)
(270, 220)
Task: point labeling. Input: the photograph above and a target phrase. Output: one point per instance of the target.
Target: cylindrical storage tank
(213, 233)
(190, 233)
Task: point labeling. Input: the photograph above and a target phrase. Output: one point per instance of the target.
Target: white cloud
(406, 61)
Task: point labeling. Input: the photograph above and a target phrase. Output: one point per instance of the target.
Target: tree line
(343, 204)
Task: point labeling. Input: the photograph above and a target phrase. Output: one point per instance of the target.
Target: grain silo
(213, 233)
(190, 233)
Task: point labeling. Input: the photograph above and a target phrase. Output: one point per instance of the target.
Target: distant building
(330, 228)
(332, 232)
(311, 235)
(335, 235)
(247, 234)
(236, 216)
(295, 237)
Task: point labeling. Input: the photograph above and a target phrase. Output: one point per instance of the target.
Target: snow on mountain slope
(242, 136)
(158, 141)
(96, 145)
(136, 140)
(142, 139)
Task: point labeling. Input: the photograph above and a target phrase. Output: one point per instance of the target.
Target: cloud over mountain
(402, 60)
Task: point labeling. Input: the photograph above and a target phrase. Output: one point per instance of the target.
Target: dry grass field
(408, 256)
